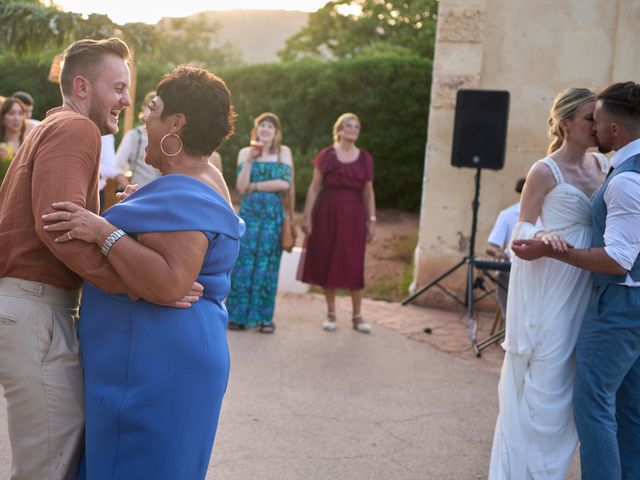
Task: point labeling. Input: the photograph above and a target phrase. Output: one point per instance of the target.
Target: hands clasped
(533, 249)
(77, 223)
(556, 241)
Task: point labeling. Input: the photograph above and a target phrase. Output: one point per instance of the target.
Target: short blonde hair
(275, 121)
(339, 125)
(81, 58)
(564, 107)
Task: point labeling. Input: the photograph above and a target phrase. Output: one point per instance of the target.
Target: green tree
(190, 40)
(348, 28)
(31, 28)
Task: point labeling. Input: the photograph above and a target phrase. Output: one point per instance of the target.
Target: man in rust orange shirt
(40, 279)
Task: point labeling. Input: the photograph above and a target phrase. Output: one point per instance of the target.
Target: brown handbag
(289, 233)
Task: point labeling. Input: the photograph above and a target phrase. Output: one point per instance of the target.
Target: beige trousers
(42, 379)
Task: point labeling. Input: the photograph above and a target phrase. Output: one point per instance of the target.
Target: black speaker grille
(480, 129)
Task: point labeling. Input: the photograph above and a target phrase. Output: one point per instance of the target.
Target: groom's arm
(595, 260)
(621, 236)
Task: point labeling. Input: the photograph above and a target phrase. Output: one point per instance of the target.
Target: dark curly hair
(205, 101)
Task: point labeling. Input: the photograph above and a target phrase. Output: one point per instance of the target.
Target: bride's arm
(539, 183)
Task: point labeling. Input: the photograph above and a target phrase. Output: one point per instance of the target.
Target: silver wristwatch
(111, 240)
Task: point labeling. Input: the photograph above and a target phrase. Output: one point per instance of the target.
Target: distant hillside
(256, 34)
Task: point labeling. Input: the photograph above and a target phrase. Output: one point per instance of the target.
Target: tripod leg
(433, 282)
(472, 323)
(487, 342)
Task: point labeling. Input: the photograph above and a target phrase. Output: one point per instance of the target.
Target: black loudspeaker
(480, 129)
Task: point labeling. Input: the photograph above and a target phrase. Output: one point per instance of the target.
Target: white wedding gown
(535, 435)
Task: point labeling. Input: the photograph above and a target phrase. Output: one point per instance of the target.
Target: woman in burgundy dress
(339, 219)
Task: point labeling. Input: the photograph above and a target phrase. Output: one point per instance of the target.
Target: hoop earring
(162, 142)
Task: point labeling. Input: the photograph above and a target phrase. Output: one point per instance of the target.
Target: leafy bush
(30, 75)
(390, 94)
(4, 166)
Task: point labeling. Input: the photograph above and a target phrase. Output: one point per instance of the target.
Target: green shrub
(4, 165)
(390, 93)
(30, 75)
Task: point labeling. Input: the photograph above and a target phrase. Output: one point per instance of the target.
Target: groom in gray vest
(607, 385)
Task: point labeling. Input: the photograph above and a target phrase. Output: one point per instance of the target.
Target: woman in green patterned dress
(265, 171)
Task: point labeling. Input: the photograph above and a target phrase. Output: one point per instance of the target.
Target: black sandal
(235, 326)
(267, 328)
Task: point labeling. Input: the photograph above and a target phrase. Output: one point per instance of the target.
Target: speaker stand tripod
(469, 260)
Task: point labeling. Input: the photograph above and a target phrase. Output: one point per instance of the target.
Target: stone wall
(533, 50)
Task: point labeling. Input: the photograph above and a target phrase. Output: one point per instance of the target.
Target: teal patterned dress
(254, 279)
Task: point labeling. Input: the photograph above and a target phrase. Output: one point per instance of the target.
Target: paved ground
(307, 404)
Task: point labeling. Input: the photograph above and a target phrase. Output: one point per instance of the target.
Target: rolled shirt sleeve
(622, 231)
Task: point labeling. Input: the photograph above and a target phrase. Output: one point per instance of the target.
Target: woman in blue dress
(155, 375)
(265, 171)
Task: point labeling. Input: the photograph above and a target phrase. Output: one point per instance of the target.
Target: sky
(125, 11)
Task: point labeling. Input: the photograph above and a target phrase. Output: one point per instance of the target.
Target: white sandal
(360, 326)
(330, 325)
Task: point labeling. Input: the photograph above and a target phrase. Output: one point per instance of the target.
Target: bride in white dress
(535, 435)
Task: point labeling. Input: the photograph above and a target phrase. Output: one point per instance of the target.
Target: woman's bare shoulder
(285, 155)
(540, 171)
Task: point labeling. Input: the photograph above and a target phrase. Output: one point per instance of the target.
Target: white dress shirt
(107, 160)
(130, 156)
(622, 197)
(502, 231)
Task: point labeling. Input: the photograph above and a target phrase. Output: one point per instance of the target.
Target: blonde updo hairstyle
(564, 107)
(339, 125)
